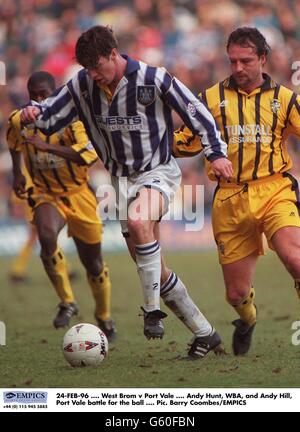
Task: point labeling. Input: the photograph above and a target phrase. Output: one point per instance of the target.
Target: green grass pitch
(32, 356)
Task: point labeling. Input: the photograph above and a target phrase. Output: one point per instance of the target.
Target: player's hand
(222, 167)
(38, 143)
(19, 186)
(29, 114)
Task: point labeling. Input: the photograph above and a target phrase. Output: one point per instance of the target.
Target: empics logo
(25, 397)
(2, 73)
(10, 395)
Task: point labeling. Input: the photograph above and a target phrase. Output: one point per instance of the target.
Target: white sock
(148, 261)
(176, 297)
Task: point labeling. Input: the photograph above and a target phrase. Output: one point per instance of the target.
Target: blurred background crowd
(188, 37)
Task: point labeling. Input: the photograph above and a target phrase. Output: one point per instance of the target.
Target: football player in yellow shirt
(18, 272)
(58, 167)
(255, 115)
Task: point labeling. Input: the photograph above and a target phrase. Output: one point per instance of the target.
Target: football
(85, 345)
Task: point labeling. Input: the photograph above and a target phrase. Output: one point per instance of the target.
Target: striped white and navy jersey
(133, 130)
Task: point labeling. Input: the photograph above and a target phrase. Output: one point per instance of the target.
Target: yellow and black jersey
(255, 127)
(51, 173)
(27, 176)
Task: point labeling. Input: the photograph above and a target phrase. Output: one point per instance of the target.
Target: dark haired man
(125, 106)
(60, 195)
(254, 115)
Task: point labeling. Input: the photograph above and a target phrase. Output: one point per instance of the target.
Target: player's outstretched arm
(19, 180)
(14, 142)
(195, 115)
(53, 114)
(62, 151)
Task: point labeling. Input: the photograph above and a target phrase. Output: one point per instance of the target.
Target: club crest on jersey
(146, 94)
(275, 105)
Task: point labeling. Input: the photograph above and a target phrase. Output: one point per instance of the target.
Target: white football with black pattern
(85, 345)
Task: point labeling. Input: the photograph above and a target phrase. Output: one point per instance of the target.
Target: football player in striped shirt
(255, 115)
(60, 195)
(126, 107)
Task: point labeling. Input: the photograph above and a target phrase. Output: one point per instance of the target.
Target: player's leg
(282, 224)
(238, 278)
(18, 272)
(286, 243)
(99, 280)
(176, 298)
(49, 222)
(152, 193)
(239, 240)
(143, 213)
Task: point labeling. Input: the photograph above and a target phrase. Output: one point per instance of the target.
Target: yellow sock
(246, 308)
(56, 268)
(297, 286)
(101, 289)
(21, 261)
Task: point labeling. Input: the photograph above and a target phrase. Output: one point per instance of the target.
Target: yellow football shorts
(79, 209)
(241, 213)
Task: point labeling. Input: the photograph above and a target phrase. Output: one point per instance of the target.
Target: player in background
(18, 272)
(126, 106)
(255, 116)
(58, 166)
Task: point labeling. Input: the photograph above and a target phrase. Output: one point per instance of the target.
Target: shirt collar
(132, 65)
(267, 84)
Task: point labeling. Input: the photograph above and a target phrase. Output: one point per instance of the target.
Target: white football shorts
(164, 178)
